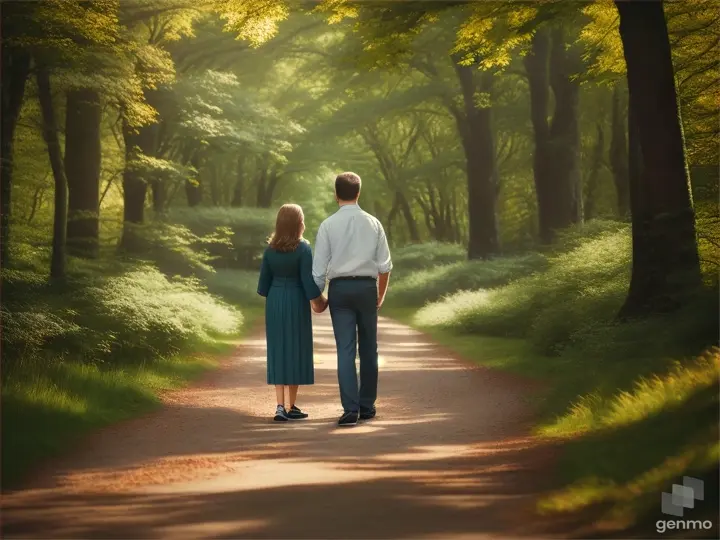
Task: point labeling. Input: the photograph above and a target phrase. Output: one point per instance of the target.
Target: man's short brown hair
(347, 186)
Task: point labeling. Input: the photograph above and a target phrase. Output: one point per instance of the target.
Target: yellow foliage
(255, 21)
(601, 36)
(694, 29)
(491, 34)
(338, 10)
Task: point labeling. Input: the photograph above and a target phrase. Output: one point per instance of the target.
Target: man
(351, 250)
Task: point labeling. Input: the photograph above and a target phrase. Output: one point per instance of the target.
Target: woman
(287, 284)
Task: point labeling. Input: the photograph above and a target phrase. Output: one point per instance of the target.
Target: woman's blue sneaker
(280, 414)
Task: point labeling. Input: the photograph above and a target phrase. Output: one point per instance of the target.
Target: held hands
(319, 304)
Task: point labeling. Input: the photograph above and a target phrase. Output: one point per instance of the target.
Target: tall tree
(619, 154)
(15, 67)
(476, 132)
(50, 134)
(83, 116)
(665, 258)
(551, 65)
(92, 61)
(593, 178)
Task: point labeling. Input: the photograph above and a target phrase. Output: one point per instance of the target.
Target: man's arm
(384, 263)
(383, 281)
(321, 258)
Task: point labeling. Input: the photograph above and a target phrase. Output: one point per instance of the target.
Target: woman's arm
(265, 277)
(312, 291)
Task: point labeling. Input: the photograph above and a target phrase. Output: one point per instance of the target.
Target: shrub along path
(448, 456)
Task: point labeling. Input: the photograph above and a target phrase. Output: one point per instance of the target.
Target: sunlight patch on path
(211, 529)
(271, 473)
(213, 464)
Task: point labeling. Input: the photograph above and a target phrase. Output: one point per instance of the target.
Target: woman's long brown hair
(288, 228)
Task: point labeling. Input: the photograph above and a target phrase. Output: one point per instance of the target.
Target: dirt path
(445, 458)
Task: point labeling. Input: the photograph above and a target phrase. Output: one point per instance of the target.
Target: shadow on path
(446, 457)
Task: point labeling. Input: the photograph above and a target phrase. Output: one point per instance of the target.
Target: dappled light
(432, 462)
(195, 199)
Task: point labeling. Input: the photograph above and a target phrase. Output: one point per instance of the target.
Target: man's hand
(383, 280)
(319, 304)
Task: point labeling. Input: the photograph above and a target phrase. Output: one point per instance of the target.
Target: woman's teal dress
(286, 281)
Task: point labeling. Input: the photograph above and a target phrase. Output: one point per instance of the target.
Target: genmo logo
(683, 525)
(682, 497)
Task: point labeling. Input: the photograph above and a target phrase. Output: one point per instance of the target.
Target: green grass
(49, 408)
(578, 288)
(630, 427)
(46, 411)
(633, 405)
(622, 450)
(415, 257)
(425, 285)
(102, 346)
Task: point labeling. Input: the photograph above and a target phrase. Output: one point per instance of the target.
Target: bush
(421, 256)
(579, 288)
(577, 235)
(236, 286)
(97, 347)
(573, 303)
(431, 284)
(174, 249)
(246, 228)
(133, 317)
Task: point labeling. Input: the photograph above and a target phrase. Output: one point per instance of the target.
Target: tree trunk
(476, 134)
(665, 258)
(594, 176)
(36, 203)
(409, 218)
(159, 197)
(15, 72)
(215, 191)
(391, 217)
(270, 191)
(50, 134)
(457, 229)
(266, 188)
(536, 66)
(635, 158)
(144, 140)
(565, 66)
(237, 198)
(239, 189)
(619, 155)
(448, 224)
(83, 117)
(556, 164)
(193, 190)
(134, 186)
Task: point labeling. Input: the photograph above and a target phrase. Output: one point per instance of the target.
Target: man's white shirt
(351, 242)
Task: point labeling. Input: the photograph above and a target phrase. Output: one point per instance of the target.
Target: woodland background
(547, 175)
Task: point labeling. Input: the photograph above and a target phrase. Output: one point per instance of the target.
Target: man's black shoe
(367, 414)
(348, 419)
(295, 413)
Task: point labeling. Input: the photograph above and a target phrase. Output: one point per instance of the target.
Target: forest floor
(449, 456)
